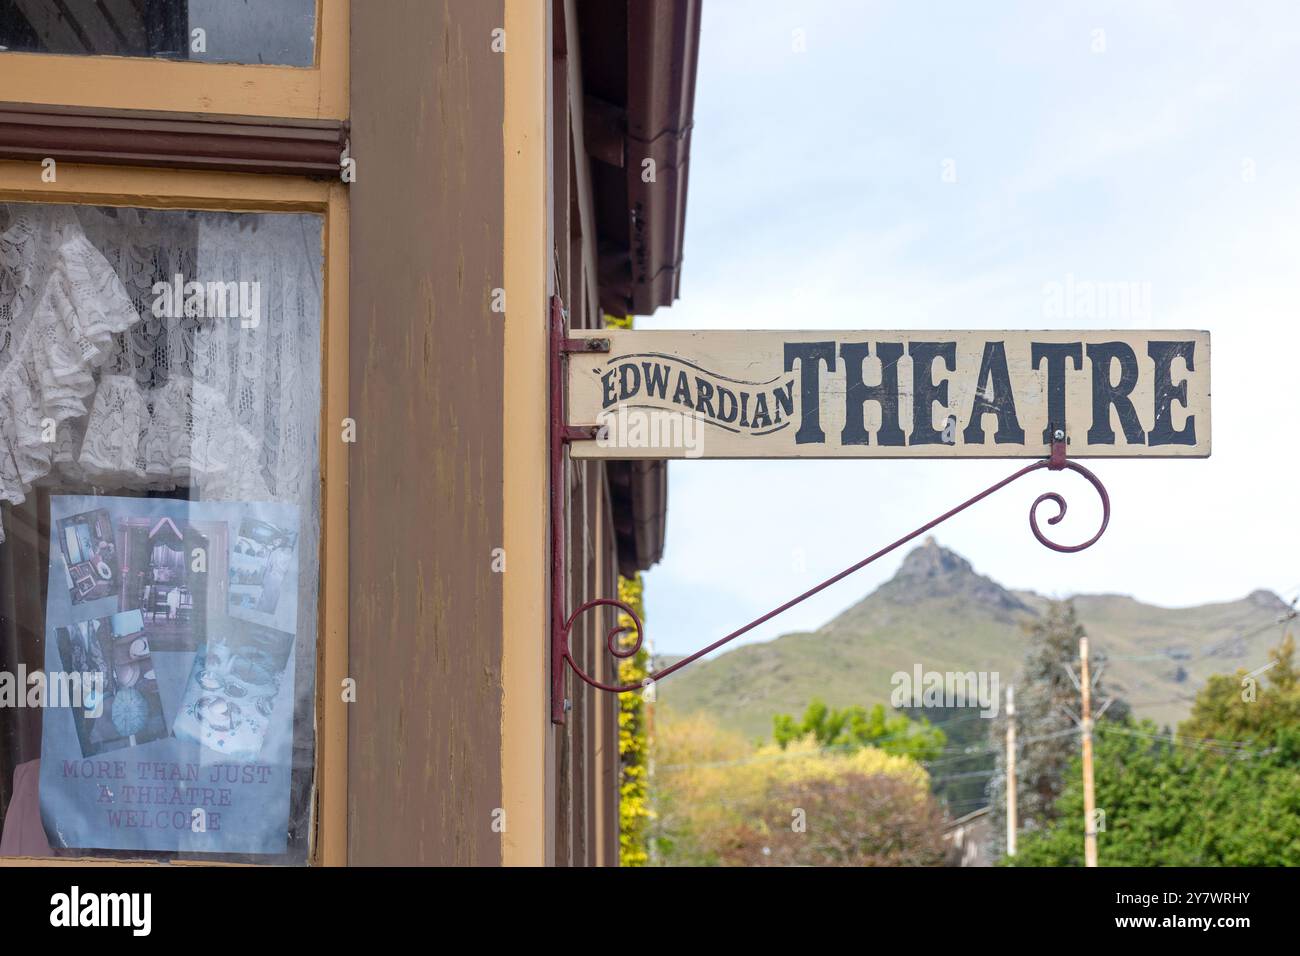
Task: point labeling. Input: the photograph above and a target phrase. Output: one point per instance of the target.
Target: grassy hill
(937, 611)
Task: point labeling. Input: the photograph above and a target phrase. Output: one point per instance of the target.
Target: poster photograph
(130, 711)
(89, 555)
(165, 575)
(263, 562)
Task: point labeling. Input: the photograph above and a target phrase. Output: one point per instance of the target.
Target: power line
(963, 776)
(1224, 747)
(968, 756)
(1160, 703)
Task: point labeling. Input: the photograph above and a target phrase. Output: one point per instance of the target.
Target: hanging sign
(924, 394)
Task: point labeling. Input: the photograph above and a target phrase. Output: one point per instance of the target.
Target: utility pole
(1085, 725)
(1011, 771)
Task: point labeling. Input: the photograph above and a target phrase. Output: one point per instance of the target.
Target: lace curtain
(102, 386)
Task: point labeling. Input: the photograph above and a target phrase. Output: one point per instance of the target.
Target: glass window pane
(218, 31)
(160, 515)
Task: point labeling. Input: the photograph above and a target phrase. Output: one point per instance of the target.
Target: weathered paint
(426, 471)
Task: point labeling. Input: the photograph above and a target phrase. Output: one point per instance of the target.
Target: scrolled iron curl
(1059, 501)
(611, 642)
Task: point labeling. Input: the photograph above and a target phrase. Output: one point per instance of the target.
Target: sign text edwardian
(662, 394)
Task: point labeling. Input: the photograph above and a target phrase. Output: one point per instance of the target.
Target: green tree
(855, 727)
(1170, 804)
(1249, 706)
(1224, 791)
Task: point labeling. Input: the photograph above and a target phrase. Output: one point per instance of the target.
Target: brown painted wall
(424, 740)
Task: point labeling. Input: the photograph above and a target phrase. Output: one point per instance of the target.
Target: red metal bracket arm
(561, 434)
(561, 626)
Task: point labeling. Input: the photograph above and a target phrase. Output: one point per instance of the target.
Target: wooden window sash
(318, 92)
(227, 192)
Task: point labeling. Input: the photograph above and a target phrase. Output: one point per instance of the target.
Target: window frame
(145, 83)
(238, 192)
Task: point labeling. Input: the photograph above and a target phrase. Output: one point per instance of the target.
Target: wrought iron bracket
(562, 623)
(561, 434)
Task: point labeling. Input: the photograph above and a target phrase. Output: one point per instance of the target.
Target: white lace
(60, 304)
(149, 403)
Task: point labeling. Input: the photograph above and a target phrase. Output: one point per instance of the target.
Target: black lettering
(656, 376)
(857, 393)
(704, 397)
(924, 390)
(994, 377)
(809, 355)
(784, 400)
(1105, 394)
(726, 405)
(682, 393)
(628, 384)
(1166, 393)
(1056, 354)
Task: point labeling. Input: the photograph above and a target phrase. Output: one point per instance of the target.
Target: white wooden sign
(1115, 394)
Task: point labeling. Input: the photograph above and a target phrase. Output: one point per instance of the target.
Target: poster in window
(184, 739)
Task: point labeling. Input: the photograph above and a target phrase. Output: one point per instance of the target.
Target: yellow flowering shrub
(709, 781)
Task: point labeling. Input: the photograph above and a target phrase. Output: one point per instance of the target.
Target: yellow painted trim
(144, 83)
(331, 835)
(180, 189)
(525, 709)
(20, 181)
(602, 668)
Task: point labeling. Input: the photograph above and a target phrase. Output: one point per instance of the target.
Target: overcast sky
(1112, 142)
